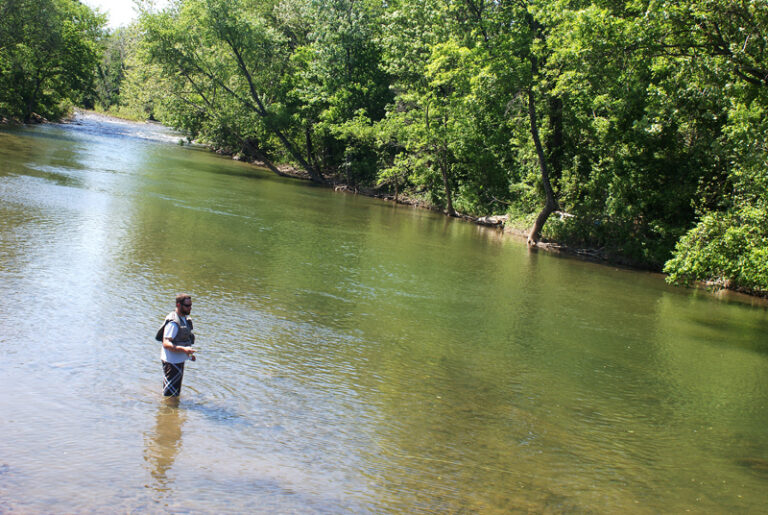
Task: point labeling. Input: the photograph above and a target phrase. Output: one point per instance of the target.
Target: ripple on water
(353, 357)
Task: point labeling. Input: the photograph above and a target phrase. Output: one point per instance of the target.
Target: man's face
(185, 307)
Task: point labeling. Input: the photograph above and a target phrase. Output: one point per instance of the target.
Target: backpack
(159, 334)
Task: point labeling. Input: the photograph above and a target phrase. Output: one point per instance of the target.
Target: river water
(354, 356)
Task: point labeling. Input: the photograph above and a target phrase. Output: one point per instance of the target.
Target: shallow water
(354, 356)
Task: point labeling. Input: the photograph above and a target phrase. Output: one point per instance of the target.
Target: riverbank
(504, 224)
(514, 229)
(35, 119)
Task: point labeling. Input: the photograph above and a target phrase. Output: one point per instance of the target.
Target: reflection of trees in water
(162, 445)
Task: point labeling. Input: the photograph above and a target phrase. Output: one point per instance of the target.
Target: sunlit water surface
(354, 356)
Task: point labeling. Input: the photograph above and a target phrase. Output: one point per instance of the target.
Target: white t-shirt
(169, 356)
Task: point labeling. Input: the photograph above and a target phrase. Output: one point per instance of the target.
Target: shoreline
(491, 222)
(499, 223)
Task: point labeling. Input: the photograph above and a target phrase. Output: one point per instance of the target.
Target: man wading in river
(177, 337)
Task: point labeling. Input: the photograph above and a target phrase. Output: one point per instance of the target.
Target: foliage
(111, 70)
(643, 123)
(728, 248)
(48, 53)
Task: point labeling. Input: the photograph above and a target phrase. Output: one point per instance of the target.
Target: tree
(448, 130)
(728, 245)
(338, 87)
(112, 67)
(227, 56)
(724, 43)
(48, 53)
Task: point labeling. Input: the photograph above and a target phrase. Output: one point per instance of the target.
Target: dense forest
(638, 127)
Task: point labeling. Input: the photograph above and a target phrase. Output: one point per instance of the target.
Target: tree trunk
(258, 154)
(314, 174)
(252, 149)
(447, 185)
(261, 110)
(550, 204)
(311, 158)
(555, 142)
(395, 189)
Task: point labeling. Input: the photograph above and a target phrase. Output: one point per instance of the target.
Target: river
(354, 356)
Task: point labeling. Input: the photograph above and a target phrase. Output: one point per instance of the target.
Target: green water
(354, 356)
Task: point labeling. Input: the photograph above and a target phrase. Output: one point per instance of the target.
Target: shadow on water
(248, 171)
(754, 346)
(41, 133)
(220, 414)
(758, 466)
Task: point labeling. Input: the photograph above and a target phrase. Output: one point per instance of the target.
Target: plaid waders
(173, 374)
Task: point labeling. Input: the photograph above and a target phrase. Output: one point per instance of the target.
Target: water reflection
(387, 359)
(163, 444)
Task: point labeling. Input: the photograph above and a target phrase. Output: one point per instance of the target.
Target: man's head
(183, 304)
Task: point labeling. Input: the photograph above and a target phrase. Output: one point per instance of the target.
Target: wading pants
(173, 374)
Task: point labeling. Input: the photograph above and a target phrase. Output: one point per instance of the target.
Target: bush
(727, 249)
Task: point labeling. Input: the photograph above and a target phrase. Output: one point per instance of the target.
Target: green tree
(112, 67)
(447, 131)
(48, 53)
(225, 56)
(338, 79)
